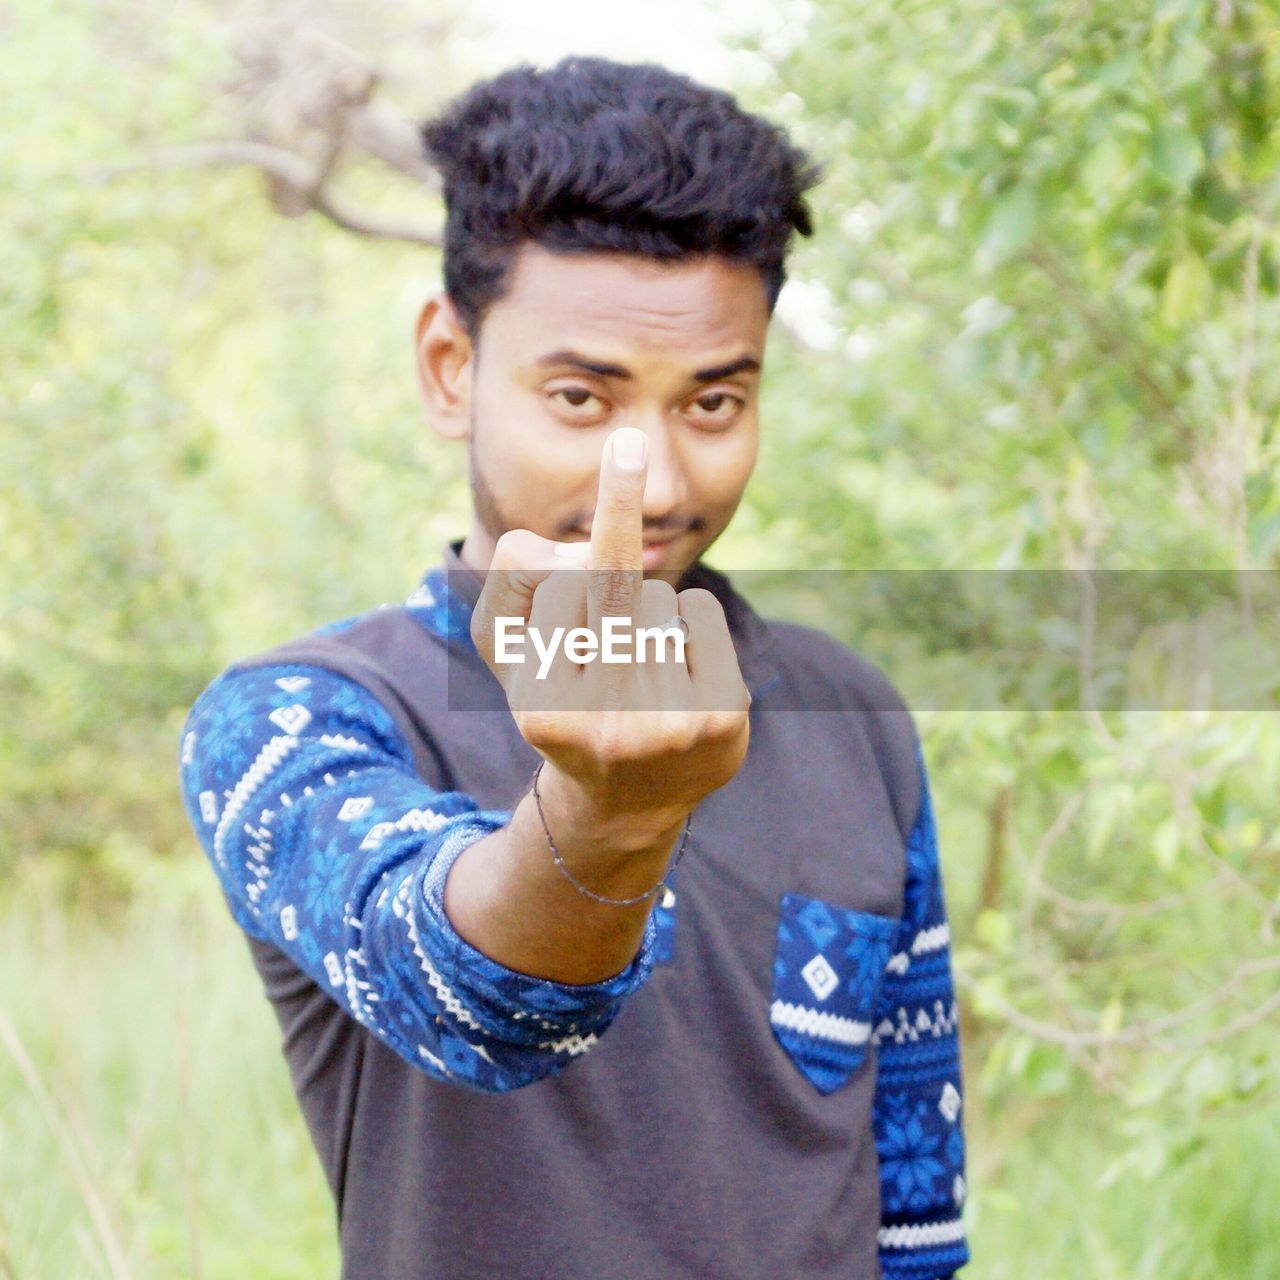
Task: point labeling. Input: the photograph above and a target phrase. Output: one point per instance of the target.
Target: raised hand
(629, 749)
(646, 738)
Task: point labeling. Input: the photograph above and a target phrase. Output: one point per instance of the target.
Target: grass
(165, 1099)
(1040, 1209)
(148, 1130)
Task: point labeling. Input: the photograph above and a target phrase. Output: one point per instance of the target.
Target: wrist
(631, 899)
(600, 828)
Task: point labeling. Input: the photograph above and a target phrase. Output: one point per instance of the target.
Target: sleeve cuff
(511, 1005)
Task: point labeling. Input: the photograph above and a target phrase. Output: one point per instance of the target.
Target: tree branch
(1150, 1032)
(294, 172)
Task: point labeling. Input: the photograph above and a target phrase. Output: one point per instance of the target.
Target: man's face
(584, 343)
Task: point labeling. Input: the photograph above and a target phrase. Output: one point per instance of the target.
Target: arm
(919, 1092)
(630, 749)
(507, 896)
(328, 845)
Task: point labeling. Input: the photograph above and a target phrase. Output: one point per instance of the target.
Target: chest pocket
(828, 968)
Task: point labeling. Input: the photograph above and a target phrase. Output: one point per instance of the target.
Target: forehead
(620, 303)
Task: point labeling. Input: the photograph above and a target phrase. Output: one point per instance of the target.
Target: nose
(664, 486)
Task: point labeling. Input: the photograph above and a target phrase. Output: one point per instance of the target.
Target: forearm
(631, 748)
(508, 899)
(329, 846)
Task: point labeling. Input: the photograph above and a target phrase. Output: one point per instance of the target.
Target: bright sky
(685, 35)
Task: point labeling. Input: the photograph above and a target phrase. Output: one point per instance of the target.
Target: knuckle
(612, 742)
(723, 725)
(625, 495)
(563, 584)
(542, 729)
(684, 734)
(612, 589)
(658, 597)
(504, 548)
(698, 601)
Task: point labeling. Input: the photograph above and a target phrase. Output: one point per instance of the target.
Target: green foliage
(147, 1083)
(1032, 333)
(1047, 249)
(211, 425)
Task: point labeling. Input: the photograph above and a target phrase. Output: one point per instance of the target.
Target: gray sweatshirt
(771, 1090)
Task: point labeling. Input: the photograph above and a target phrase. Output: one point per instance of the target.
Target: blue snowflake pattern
(317, 809)
(909, 1155)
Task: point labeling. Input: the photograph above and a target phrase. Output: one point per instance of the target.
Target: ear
(444, 360)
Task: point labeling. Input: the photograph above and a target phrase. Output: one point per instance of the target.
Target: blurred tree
(1031, 334)
(211, 433)
(305, 107)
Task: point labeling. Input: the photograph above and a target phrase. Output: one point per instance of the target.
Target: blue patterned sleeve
(919, 1130)
(328, 845)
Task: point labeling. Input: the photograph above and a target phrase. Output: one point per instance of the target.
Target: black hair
(592, 154)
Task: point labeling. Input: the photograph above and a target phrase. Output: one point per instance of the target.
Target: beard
(495, 521)
(488, 510)
(492, 519)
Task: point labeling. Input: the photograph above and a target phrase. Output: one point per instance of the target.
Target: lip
(654, 553)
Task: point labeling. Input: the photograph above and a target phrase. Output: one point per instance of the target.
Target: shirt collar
(448, 592)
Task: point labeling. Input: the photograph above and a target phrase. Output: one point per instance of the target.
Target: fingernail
(628, 447)
(573, 550)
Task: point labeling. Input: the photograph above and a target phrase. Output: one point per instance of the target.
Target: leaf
(1211, 1080)
(1104, 169)
(1165, 843)
(1176, 153)
(1100, 828)
(1112, 1017)
(1187, 288)
(1249, 833)
(1120, 71)
(1009, 226)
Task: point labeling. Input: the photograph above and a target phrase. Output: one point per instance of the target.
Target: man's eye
(575, 397)
(719, 405)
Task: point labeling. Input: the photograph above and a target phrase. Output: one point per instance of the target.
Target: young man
(525, 1046)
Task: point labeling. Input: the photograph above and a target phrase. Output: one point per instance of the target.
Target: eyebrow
(743, 364)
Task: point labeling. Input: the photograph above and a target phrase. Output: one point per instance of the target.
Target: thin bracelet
(582, 888)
